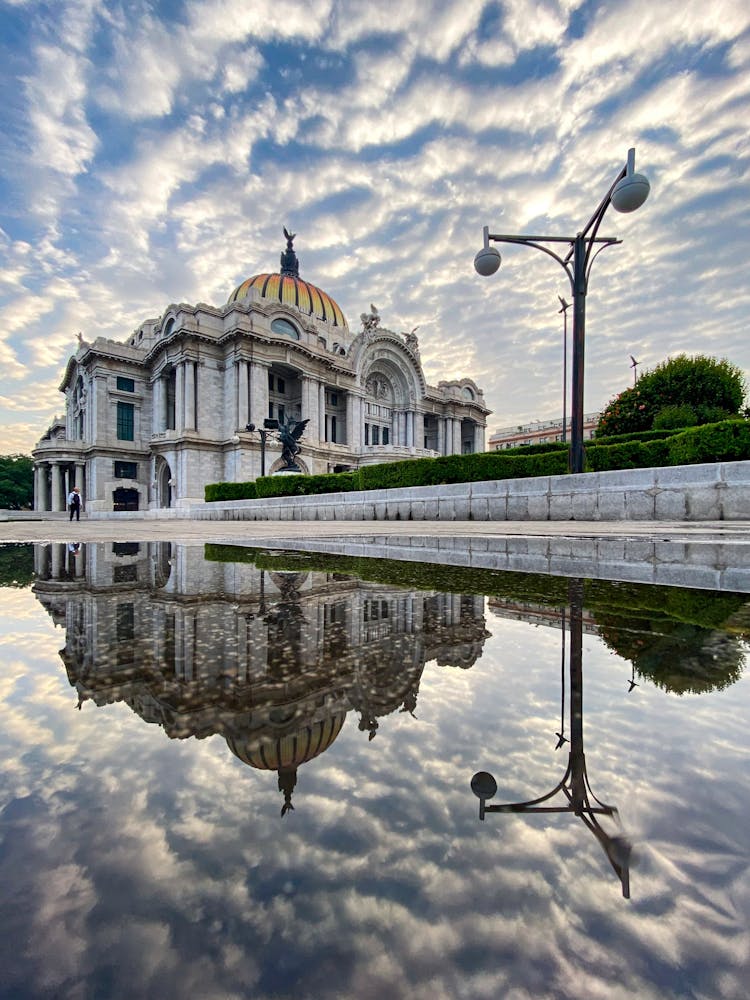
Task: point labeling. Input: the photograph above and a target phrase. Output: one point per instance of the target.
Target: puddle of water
(229, 772)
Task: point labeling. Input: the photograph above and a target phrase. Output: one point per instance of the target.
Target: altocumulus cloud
(151, 153)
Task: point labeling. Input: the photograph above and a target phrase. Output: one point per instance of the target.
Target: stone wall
(716, 492)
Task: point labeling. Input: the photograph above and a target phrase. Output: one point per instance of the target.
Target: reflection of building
(152, 419)
(271, 661)
(539, 614)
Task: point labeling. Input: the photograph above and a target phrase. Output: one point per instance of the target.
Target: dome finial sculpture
(289, 262)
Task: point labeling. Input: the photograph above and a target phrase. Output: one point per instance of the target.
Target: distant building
(539, 432)
(151, 419)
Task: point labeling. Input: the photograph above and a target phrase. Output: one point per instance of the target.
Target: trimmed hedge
(230, 491)
(635, 436)
(297, 486)
(727, 441)
(477, 467)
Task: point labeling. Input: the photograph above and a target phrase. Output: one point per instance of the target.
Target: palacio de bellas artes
(151, 419)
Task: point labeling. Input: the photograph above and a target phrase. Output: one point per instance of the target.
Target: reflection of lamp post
(627, 193)
(574, 784)
(269, 424)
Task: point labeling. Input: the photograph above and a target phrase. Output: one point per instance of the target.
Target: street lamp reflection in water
(574, 784)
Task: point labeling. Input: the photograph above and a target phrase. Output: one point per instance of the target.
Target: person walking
(74, 503)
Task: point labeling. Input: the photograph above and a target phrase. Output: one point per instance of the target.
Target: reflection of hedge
(16, 565)
(674, 636)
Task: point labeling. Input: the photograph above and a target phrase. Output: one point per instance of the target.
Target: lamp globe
(487, 261)
(630, 193)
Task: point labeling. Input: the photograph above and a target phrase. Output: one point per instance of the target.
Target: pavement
(185, 530)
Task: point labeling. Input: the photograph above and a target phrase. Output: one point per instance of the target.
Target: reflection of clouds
(161, 867)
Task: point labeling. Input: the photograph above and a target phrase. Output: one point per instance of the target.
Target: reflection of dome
(285, 753)
(270, 753)
(290, 290)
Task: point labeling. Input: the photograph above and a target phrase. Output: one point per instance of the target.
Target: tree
(16, 482)
(680, 392)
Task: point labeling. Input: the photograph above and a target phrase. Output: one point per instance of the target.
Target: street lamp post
(269, 424)
(628, 192)
(564, 310)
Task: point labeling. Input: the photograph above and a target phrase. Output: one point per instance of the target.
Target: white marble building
(151, 419)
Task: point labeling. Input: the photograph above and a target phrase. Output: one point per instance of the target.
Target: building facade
(151, 420)
(539, 432)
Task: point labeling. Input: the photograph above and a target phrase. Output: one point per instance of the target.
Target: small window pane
(125, 384)
(125, 421)
(126, 470)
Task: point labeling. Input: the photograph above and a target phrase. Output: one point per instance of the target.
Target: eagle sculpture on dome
(290, 237)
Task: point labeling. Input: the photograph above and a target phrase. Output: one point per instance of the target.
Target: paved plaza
(187, 530)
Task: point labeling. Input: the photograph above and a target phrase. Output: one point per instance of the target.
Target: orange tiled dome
(290, 290)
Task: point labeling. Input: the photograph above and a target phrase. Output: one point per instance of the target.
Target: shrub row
(297, 486)
(230, 491)
(728, 441)
(723, 442)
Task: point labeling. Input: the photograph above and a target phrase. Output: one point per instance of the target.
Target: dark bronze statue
(290, 431)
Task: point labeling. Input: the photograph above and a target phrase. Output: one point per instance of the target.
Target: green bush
(230, 491)
(728, 441)
(633, 436)
(712, 388)
(670, 417)
(288, 485)
(627, 455)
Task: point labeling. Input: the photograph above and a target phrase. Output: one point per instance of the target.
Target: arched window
(284, 327)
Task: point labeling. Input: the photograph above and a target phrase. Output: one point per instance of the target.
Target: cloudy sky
(152, 150)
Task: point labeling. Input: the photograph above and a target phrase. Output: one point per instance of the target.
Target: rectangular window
(333, 430)
(334, 399)
(270, 381)
(126, 470)
(375, 434)
(280, 410)
(125, 384)
(125, 574)
(281, 386)
(367, 433)
(386, 436)
(126, 548)
(125, 421)
(125, 621)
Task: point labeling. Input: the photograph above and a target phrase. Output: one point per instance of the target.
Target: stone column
(189, 368)
(243, 395)
(58, 553)
(57, 500)
(311, 408)
(258, 393)
(322, 410)
(479, 444)
(357, 431)
(38, 486)
(410, 428)
(158, 421)
(79, 475)
(418, 429)
(457, 436)
(441, 435)
(179, 398)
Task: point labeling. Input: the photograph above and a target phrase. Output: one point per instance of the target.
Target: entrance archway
(164, 484)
